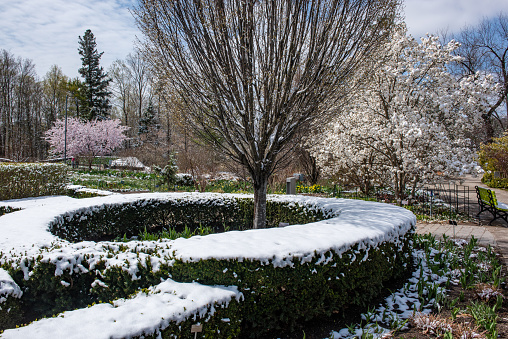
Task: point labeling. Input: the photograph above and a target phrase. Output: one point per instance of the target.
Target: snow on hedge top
(8, 287)
(353, 221)
(145, 314)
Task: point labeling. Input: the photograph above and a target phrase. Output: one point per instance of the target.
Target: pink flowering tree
(86, 139)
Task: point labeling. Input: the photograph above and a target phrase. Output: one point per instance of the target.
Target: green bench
(488, 202)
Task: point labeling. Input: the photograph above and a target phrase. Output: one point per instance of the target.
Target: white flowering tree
(409, 123)
(86, 139)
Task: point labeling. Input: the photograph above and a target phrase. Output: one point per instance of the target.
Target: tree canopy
(409, 124)
(256, 75)
(96, 81)
(85, 139)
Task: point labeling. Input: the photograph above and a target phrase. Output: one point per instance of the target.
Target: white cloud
(47, 31)
(431, 16)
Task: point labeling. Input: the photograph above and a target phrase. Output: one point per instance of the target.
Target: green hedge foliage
(7, 209)
(279, 298)
(490, 180)
(276, 298)
(213, 326)
(23, 180)
(11, 313)
(107, 222)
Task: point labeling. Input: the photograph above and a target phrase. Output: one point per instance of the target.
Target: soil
(469, 297)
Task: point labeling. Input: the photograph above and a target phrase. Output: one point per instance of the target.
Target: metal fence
(448, 200)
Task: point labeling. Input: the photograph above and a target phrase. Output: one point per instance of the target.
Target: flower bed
(286, 275)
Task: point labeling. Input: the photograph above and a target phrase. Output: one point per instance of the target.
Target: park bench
(488, 202)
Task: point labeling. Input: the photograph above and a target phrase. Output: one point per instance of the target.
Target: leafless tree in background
(256, 74)
(485, 49)
(140, 74)
(21, 109)
(122, 91)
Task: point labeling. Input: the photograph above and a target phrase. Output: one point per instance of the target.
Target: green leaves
(22, 180)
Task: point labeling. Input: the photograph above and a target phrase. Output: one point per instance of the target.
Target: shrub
(493, 157)
(184, 179)
(107, 222)
(22, 180)
(11, 312)
(281, 288)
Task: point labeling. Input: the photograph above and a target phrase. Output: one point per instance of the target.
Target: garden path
(495, 235)
(469, 180)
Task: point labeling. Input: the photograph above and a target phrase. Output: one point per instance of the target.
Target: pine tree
(96, 81)
(148, 121)
(148, 125)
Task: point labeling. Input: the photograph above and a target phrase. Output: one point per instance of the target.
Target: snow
(80, 188)
(144, 314)
(128, 162)
(25, 236)
(354, 221)
(8, 287)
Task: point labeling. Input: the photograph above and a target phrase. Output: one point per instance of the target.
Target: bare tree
(256, 74)
(140, 79)
(485, 49)
(21, 102)
(122, 90)
(55, 90)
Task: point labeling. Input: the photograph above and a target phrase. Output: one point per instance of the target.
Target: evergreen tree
(148, 121)
(148, 125)
(77, 99)
(96, 81)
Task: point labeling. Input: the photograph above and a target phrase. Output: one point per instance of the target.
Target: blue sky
(47, 31)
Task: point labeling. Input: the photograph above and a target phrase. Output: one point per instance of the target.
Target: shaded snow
(8, 287)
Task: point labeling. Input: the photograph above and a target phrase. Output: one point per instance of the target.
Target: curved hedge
(286, 275)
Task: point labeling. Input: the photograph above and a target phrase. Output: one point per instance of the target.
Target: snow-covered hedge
(10, 313)
(108, 221)
(167, 310)
(286, 275)
(21, 180)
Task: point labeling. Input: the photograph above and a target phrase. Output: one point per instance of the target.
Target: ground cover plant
(457, 290)
(277, 270)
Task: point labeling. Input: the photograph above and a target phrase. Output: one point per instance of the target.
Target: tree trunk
(260, 186)
(489, 129)
(399, 185)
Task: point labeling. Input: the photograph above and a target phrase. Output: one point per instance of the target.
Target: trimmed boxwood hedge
(107, 222)
(22, 180)
(275, 297)
(279, 298)
(213, 326)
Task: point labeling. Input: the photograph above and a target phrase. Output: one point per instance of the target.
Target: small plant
(485, 316)
(487, 292)
(431, 324)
